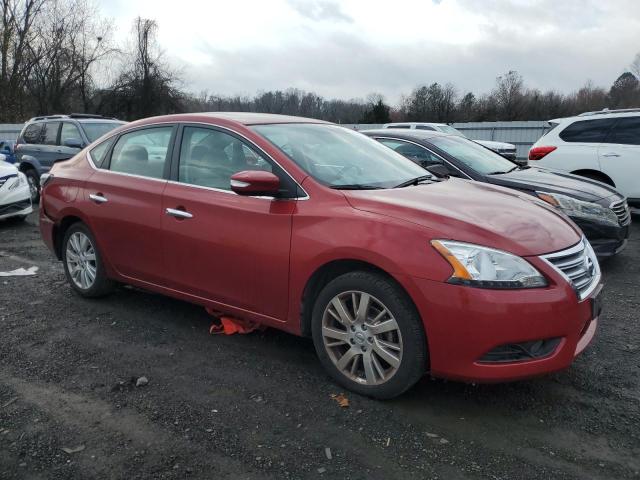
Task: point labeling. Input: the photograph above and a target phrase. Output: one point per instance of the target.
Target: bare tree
(147, 85)
(72, 38)
(16, 36)
(635, 66)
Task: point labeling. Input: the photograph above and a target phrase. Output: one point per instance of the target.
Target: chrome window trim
(428, 150)
(186, 123)
(583, 244)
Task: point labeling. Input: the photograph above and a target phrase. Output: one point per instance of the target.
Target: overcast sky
(348, 48)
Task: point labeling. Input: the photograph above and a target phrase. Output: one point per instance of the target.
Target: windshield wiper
(502, 173)
(415, 181)
(355, 186)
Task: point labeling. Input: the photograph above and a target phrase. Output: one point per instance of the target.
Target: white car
(507, 150)
(15, 197)
(603, 145)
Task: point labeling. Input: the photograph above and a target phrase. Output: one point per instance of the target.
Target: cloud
(345, 49)
(320, 10)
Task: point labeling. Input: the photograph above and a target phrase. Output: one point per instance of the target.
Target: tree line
(59, 56)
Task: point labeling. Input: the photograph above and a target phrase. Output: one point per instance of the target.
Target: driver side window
(209, 158)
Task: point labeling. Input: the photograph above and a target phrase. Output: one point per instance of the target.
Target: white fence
(10, 131)
(520, 134)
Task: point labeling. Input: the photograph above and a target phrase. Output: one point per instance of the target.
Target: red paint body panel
(253, 257)
(128, 226)
(234, 250)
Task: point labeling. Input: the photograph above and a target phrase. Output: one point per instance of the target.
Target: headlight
(19, 181)
(580, 209)
(484, 267)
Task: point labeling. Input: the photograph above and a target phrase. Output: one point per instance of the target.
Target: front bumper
(606, 240)
(464, 324)
(15, 202)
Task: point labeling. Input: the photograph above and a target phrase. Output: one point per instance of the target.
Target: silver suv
(49, 139)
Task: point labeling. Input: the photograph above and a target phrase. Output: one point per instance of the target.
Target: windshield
(339, 157)
(477, 157)
(95, 130)
(451, 130)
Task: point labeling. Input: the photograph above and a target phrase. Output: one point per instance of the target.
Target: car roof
(595, 116)
(243, 118)
(430, 124)
(407, 133)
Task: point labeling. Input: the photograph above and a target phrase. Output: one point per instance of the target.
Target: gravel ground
(260, 406)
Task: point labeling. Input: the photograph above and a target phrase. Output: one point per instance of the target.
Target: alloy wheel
(81, 260)
(362, 338)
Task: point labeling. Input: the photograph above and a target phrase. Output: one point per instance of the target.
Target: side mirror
(440, 171)
(73, 142)
(255, 182)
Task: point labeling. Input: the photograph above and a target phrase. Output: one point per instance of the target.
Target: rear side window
(143, 152)
(424, 127)
(69, 132)
(32, 133)
(99, 153)
(51, 133)
(626, 131)
(587, 131)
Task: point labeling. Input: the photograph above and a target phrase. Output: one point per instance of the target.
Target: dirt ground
(260, 406)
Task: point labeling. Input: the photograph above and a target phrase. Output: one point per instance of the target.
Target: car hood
(474, 212)
(492, 144)
(554, 181)
(7, 168)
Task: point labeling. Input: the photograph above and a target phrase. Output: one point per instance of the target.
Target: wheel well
(59, 232)
(322, 276)
(595, 175)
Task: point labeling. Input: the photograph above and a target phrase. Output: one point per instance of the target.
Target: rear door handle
(611, 154)
(174, 212)
(98, 198)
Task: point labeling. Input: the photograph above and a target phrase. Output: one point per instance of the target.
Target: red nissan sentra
(314, 229)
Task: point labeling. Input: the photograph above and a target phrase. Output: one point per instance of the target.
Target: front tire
(82, 262)
(368, 335)
(34, 185)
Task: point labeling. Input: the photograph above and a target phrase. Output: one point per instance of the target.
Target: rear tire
(34, 185)
(368, 335)
(82, 263)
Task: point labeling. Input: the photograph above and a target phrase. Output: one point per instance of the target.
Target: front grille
(517, 352)
(621, 209)
(579, 266)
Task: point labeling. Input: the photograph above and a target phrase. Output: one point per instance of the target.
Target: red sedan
(314, 229)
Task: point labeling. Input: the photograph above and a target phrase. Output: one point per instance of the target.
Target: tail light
(538, 153)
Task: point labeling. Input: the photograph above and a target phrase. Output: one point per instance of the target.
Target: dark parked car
(315, 229)
(600, 210)
(46, 140)
(6, 149)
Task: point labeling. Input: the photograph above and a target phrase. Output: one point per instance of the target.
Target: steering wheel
(347, 169)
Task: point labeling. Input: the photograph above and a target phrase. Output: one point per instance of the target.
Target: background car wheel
(82, 263)
(34, 185)
(368, 335)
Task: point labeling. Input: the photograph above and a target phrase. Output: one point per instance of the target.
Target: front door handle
(98, 198)
(611, 154)
(174, 212)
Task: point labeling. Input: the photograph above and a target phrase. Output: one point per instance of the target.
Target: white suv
(602, 145)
